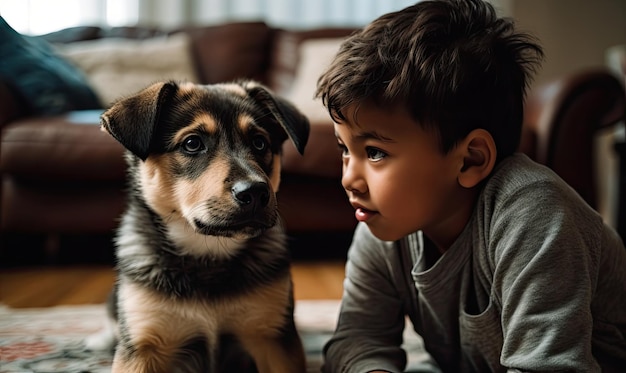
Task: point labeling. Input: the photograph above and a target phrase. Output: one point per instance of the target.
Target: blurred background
(575, 33)
(302, 36)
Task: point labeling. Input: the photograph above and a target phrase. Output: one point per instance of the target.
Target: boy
(499, 265)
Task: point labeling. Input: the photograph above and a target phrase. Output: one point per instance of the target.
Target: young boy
(499, 264)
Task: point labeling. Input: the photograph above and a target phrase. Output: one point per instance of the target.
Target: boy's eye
(343, 148)
(375, 154)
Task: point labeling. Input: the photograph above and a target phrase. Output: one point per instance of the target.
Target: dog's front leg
(192, 357)
(280, 354)
(156, 336)
(146, 359)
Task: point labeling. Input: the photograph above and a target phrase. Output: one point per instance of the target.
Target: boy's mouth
(363, 215)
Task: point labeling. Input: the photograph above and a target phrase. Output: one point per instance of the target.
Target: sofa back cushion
(230, 51)
(218, 53)
(286, 56)
(118, 67)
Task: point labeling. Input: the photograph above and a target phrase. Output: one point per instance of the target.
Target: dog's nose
(251, 195)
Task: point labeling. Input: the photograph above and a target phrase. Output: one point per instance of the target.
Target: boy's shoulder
(520, 185)
(526, 204)
(518, 172)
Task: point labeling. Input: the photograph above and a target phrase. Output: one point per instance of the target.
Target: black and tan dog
(201, 255)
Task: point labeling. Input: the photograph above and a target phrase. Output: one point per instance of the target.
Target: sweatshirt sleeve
(545, 248)
(369, 331)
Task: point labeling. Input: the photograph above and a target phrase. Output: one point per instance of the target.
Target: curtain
(33, 16)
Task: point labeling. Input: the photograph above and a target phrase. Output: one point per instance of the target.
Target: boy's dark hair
(453, 64)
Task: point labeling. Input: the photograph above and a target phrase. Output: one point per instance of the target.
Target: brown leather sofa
(63, 179)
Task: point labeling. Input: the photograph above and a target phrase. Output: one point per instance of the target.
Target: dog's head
(208, 155)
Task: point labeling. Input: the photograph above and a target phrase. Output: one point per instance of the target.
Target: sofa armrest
(11, 106)
(561, 119)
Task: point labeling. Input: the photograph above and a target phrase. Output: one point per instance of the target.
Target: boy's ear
(479, 158)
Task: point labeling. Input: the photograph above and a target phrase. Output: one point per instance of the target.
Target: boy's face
(397, 178)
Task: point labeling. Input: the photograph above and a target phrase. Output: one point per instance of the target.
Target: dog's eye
(259, 143)
(193, 144)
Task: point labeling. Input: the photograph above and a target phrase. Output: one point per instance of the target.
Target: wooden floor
(71, 285)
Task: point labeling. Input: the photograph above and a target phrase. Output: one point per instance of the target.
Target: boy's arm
(371, 320)
(545, 273)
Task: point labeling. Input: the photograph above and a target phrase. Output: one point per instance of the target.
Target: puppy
(201, 255)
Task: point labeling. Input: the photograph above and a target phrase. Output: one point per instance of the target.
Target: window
(36, 17)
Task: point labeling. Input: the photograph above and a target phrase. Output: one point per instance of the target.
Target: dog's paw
(104, 340)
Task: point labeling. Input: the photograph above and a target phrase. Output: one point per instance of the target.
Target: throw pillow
(118, 67)
(45, 82)
(315, 56)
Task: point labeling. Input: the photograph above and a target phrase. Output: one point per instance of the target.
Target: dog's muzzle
(252, 215)
(252, 196)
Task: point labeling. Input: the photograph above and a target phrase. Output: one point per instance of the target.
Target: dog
(203, 269)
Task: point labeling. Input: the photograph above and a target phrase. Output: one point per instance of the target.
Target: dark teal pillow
(46, 83)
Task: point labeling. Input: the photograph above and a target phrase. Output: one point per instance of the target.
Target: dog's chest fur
(148, 256)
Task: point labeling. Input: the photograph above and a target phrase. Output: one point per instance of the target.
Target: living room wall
(575, 33)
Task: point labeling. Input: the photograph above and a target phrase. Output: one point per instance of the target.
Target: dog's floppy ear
(132, 120)
(291, 119)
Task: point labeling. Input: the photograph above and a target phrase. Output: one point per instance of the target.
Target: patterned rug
(50, 339)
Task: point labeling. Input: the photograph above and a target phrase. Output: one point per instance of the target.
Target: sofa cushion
(231, 51)
(315, 57)
(45, 82)
(10, 106)
(69, 147)
(322, 156)
(286, 53)
(73, 34)
(118, 67)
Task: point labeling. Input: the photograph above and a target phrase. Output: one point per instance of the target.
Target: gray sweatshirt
(536, 282)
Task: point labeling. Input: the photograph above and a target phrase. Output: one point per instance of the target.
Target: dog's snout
(251, 195)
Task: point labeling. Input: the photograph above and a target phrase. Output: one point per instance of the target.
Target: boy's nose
(351, 178)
